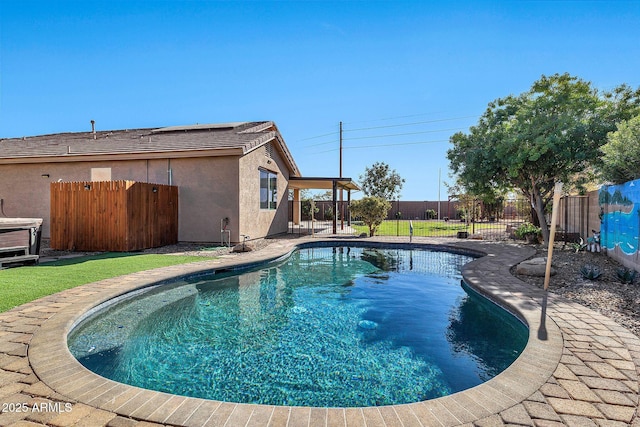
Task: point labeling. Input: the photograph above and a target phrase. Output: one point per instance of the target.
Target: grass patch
(20, 285)
(422, 228)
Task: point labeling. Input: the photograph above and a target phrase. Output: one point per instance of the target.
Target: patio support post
(296, 206)
(348, 208)
(335, 207)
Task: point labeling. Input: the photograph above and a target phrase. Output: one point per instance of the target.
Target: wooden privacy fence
(113, 215)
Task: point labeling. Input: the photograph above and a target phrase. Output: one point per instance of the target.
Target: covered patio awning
(317, 183)
(305, 183)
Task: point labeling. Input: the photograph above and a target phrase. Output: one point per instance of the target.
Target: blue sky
(402, 76)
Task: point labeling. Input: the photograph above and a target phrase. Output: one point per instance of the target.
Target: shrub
(328, 213)
(305, 207)
(370, 210)
(526, 229)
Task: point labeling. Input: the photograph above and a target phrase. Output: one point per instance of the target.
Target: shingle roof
(225, 138)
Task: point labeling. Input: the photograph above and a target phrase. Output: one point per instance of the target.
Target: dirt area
(606, 295)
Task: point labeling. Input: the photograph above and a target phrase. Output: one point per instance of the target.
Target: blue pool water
(329, 327)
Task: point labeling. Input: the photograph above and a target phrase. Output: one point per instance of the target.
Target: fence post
(566, 218)
(398, 219)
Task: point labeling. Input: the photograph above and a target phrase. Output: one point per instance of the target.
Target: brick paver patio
(578, 369)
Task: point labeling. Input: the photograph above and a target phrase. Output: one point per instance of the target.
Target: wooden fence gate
(113, 215)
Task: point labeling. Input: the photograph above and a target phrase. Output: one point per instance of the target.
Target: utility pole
(340, 176)
(439, 169)
(341, 195)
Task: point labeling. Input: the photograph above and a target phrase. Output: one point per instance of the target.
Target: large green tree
(621, 153)
(380, 180)
(552, 132)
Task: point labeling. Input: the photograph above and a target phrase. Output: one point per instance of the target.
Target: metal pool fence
(421, 219)
(450, 218)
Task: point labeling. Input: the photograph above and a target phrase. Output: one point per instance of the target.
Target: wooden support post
(557, 192)
(335, 207)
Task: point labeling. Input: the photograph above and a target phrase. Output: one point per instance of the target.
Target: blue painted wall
(620, 216)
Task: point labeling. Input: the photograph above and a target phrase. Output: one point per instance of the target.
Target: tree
(371, 210)
(305, 208)
(306, 202)
(327, 195)
(551, 133)
(381, 181)
(621, 153)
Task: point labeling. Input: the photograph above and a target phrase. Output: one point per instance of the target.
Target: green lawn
(19, 285)
(422, 228)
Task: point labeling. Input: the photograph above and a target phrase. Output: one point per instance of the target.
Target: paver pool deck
(579, 368)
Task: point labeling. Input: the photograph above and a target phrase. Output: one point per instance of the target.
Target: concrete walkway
(578, 369)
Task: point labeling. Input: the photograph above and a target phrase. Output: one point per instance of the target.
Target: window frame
(268, 192)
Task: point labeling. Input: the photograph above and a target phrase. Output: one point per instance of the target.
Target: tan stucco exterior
(210, 189)
(262, 222)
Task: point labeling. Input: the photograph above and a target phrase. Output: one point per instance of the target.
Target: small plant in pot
(528, 232)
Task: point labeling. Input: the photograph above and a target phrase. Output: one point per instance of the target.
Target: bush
(328, 213)
(430, 214)
(370, 210)
(526, 229)
(305, 207)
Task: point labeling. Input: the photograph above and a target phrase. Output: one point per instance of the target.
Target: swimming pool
(331, 326)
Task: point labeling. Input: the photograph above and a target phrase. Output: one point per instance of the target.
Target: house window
(268, 189)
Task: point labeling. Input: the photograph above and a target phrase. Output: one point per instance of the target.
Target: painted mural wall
(620, 216)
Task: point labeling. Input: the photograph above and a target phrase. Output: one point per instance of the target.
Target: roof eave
(139, 155)
(281, 145)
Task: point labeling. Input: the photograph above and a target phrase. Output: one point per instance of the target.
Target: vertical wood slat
(113, 215)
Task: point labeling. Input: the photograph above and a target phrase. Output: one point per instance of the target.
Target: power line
(396, 144)
(336, 134)
(411, 124)
(392, 118)
(403, 134)
(318, 136)
(388, 135)
(382, 145)
(322, 143)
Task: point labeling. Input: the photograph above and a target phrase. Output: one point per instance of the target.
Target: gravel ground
(606, 295)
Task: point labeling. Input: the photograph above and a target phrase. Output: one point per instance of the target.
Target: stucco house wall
(255, 221)
(207, 193)
(24, 188)
(215, 167)
(208, 190)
